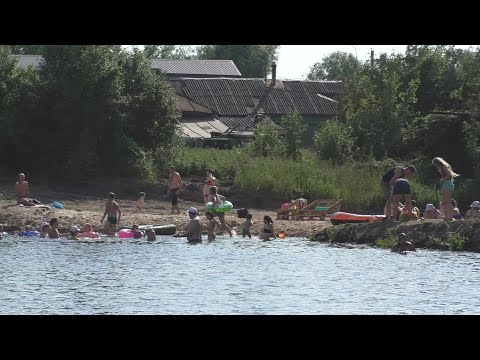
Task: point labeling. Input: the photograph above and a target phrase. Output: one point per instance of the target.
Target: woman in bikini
(209, 182)
(447, 176)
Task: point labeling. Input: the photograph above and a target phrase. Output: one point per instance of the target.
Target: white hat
(430, 207)
(74, 229)
(475, 204)
(44, 224)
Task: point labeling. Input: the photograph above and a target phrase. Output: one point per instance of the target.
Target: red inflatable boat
(344, 218)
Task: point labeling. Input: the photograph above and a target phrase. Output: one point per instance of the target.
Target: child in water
(246, 226)
(211, 222)
(151, 236)
(137, 234)
(268, 229)
(44, 230)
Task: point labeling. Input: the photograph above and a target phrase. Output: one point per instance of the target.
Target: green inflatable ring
(223, 207)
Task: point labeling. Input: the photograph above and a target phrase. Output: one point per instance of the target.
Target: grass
(358, 184)
(387, 242)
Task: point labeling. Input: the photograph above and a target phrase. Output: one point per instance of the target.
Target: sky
(294, 61)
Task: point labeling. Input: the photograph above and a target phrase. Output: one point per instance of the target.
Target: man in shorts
(389, 178)
(114, 213)
(175, 185)
(401, 187)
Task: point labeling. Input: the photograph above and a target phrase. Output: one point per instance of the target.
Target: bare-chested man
(22, 191)
(193, 231)
(111, 209)
(175, 185)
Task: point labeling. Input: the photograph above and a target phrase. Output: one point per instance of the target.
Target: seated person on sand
(415, 213)
(268, 230)
(456, 211)
(474, 212)
(403, 245)
(432, 213)
(22, 192)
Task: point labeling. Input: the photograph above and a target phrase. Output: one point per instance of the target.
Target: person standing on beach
(114, 213)
(175, 185)
(209, 182)
(447, 176)
(387, 181)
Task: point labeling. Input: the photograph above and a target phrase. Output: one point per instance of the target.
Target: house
(173, 68)
(212, 91)
(236, 101)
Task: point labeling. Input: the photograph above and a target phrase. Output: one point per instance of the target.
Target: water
(231, 276)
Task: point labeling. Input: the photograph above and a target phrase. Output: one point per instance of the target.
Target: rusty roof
(236, 97)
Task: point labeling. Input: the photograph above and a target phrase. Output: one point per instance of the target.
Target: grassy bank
(356, 183)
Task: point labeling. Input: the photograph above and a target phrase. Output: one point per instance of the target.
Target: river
(231, 276)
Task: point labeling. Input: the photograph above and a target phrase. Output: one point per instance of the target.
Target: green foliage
(457, 242)
(294, 126)
(267, 141)
(252, 60)
(335, 66)
(387, 242)
(27, 49)
(151, 116)
(89, 110)
(169, 51)
(333, 141)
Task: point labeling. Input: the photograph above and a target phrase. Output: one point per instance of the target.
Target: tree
(294, 126)
(252, 60)
(28, 49)
(336, 66)
(267, 141)
(169, 51)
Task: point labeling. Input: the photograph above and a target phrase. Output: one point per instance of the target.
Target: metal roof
(201, 128)
(26, 60)
(246, 123)
(235, 97)
(169, 66)
(196, 67)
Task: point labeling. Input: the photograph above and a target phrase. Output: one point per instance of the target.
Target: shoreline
(157, 212)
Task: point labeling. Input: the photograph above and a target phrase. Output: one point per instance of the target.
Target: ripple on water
(231, 276)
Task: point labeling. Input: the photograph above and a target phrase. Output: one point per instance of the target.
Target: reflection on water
(231, 276)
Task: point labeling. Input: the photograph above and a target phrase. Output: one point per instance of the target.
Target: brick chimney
(274, 74)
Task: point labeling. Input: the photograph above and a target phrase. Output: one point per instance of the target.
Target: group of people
(193, 230)
(395, 184)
